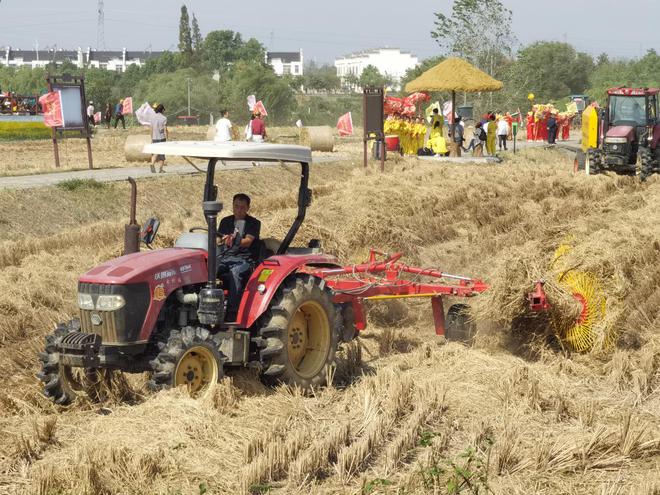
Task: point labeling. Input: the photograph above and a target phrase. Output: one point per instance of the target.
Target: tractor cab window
(653, 107)
(630, 110)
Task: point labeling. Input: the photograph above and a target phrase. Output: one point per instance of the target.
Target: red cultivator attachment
(382, 277)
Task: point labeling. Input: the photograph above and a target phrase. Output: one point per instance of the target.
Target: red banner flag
(127, 106)
(97, 117)
(51, 104)
(260, 108)
(345, 125)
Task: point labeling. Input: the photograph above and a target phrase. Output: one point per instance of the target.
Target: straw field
(516, 413)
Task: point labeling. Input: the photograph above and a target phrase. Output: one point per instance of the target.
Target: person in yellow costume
(491, 135)
(420, 133)
(437, 141)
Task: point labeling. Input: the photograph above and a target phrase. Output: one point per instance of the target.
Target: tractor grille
(620, 149)
(107, 329)
(123, 325)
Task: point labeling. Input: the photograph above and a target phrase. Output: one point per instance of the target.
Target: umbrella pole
(453, 121)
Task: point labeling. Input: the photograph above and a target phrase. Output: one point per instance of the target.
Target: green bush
(80, 184)
(23, 131)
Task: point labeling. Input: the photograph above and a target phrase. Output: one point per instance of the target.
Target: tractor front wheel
(300, 334)
(191, 357)
(62, 384)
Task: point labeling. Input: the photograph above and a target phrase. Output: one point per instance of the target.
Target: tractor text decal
(185, 268)
(164, 275)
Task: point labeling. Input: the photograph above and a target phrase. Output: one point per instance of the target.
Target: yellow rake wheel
(582, 336)
(585, 288)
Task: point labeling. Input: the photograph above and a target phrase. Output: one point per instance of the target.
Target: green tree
(321, 79)
(252, 51)
(222, 48)
(185, 35)
(478, 31)
(101, 87)
(371, 76)
(260, 80)
(551, 70)
(197, 39)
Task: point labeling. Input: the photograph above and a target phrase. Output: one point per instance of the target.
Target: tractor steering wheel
(203, 229)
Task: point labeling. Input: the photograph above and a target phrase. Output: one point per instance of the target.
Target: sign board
(373, 111)
(73, 109)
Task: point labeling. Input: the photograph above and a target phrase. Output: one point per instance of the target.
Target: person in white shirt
(502, 133)
(223, 128)
(90, 113)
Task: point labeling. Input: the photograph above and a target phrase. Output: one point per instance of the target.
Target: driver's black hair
(242, 197)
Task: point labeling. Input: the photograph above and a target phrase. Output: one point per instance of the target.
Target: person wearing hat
(159, 134)
(90, 113)
(119, 114)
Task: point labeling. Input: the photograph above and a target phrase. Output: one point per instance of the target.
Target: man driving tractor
(239, 250)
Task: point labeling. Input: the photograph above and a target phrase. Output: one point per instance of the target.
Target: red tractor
(163, 311)
(628, 135)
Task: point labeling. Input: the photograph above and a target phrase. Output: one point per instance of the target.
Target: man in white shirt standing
(90, 114)
(223, 128)
(502, 133)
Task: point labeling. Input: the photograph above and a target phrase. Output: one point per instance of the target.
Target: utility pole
(188, 80)
(100, 27)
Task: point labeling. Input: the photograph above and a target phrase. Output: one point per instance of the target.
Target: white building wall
(389, 61)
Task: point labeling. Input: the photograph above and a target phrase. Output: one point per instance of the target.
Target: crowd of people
(254, 131)
(96, 118)
(434, 136)
(546, 123)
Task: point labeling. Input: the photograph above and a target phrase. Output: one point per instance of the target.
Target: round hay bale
(133, 148)
(318, 138)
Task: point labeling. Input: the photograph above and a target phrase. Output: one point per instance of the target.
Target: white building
(391, 62)
(286, 63)
(111, 60)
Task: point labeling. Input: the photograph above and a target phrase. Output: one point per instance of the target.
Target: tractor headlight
(110, 302)
(85, 301)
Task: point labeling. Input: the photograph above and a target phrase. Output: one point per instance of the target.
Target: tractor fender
(269, 276)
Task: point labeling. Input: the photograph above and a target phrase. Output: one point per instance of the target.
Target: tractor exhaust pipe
(132, 230)
(211, 309)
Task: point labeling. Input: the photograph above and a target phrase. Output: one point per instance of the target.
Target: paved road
(119, 174)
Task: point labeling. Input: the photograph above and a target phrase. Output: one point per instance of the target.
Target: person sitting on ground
(240, 250)
(159, 134)
(478, 138)
(223, 128)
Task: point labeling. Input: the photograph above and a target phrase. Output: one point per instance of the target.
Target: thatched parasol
(454, 74)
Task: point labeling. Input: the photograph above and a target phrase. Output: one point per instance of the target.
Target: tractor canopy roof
(233, 150)
(621, 91)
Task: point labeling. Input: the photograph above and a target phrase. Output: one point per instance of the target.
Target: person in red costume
(530, 126)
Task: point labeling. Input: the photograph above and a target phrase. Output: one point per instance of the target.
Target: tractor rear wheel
(594, 157)
(62, 384)
(191, 357)
(646, 165)
(458, 325)
(300, 334)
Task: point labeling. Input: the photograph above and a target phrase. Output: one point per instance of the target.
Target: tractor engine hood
(621, 131)
(171, 267)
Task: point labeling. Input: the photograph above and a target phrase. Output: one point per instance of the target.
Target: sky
(324, 30)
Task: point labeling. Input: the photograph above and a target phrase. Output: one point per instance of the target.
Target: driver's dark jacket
(252, 227)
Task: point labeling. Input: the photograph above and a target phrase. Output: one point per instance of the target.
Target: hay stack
(318, 138)
(133, 148)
